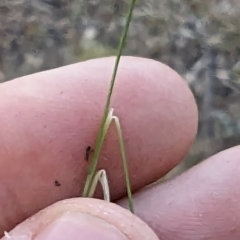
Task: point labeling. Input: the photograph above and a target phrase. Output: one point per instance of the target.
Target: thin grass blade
(100, 137)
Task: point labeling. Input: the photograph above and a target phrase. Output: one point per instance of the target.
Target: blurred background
(198, 39)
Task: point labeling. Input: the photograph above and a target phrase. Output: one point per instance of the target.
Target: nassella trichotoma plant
(93, 175)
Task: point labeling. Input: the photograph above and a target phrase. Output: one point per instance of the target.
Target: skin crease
(48, 119)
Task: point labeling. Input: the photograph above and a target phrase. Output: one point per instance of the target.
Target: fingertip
(83, 219)
(52, 116)
(202, 202)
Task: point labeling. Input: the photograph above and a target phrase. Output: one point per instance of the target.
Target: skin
(47, 121)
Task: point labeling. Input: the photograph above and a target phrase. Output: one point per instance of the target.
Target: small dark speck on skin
(87, 153)
(57, 183)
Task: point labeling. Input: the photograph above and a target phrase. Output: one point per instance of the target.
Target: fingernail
(76, 226)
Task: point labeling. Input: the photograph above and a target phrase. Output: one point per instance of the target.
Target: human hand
(48, 119)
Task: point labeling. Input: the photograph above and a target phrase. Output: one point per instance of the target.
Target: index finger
(48, 119)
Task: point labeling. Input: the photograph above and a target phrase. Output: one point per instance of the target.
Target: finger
(48, 119)
(82, 219)
(202, 203)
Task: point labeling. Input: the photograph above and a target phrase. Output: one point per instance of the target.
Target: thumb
(82, 218)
